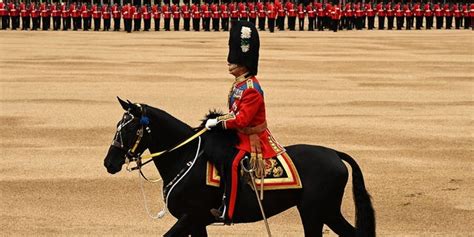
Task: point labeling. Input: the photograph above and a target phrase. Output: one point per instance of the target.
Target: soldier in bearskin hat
(246, 112)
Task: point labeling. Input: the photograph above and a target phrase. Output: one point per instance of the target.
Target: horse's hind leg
(180, 228)
(198, 231)
(340, 226)
(312, 222)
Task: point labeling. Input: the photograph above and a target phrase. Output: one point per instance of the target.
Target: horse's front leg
(198, 231)
(180, 228)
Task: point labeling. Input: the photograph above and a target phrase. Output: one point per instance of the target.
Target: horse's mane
(219, 143)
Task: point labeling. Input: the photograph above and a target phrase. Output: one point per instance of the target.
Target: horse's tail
(365, 216)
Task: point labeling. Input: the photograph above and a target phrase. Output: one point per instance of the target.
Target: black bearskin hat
(244, 45)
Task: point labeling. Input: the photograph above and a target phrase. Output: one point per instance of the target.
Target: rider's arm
(248, 108)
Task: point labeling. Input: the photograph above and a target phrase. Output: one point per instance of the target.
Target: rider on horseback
(246, 111)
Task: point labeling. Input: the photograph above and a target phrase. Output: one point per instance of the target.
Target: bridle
(131, 155)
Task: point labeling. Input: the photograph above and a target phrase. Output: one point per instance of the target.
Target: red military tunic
(105, 12)
(23, 10)
(243, 10)
(185, 11)
(115, 12)
(252, 11)
(3, 11)
(261, 10)
(96, 14)
(428, 11)
(195, 11)
(310, 11)
(155, 9)
(166, 12)
(214, 11)
(137, 15)
(301, 12)
(271, 11)
(380, 10)
(247, 109)
(146, 14)
(224, 11)
(175, 11)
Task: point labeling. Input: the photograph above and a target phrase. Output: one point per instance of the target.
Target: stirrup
(218, 214)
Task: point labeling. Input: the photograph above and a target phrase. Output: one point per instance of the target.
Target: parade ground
(399, 102)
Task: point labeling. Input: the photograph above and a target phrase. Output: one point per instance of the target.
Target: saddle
(280, 173)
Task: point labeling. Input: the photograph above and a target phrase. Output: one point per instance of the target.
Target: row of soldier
(320, 16)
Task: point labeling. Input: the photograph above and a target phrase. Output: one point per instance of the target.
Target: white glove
(211, 123)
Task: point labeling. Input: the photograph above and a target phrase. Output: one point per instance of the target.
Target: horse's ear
(124, 104)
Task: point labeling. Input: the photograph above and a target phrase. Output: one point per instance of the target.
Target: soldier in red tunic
(319, 16)
(66, 16)
(25, 16)
(196, 14)
(4, 15)
(14, 15)
(271, 14)
(449, 16)
(428, 16)
(176, 15)
(252, 12)
(145, 9)
(439, 13)
(457, 16)
(97, 16)
(467, 18)
(156, 11)
(137, 18)
(234, 13)
(408, 16)
(359, 16)
(127, 17)
(246, 112)
(280, 21)
(261, 15)
(291, 10)
(215, 15)
(390, 15)
(381, 15)
(370, 16)
(165, 9)
(44, 13)
(106, 15)
(206, 17)
(418, 16)
(116, 14)
(243, 13)
(400, 16)
(301, 15)
(85, 13)
(185, 11)
(56, 14)
(311, 16)
(224, 14)
(35, 16)
(335, 17)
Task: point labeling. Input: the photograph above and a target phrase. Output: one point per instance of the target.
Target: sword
(251, 172)
(252, 176)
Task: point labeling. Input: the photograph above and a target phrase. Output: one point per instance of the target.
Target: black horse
(189, 199)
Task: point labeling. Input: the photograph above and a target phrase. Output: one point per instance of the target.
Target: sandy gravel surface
(401, 103)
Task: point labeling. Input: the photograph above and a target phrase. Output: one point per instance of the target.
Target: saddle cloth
(280, 173)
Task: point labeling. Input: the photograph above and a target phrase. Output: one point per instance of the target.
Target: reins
(152, 156)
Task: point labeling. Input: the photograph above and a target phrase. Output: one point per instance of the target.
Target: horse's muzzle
(114, 160)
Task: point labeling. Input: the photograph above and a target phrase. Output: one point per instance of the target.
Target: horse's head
(127, 142)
